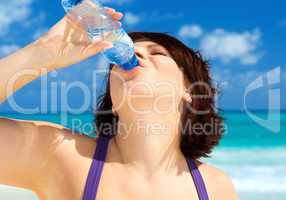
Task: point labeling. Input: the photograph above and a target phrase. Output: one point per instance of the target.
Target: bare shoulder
(46, 139)
(45, 154)
(29, 149)
(47, 129)
(59, 139)
(218, 182)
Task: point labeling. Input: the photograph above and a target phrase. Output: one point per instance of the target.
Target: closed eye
(158, 53)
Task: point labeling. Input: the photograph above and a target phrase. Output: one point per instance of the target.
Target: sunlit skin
(160, 84)
(53, 162)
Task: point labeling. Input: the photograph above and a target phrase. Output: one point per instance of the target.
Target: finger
(109, 10)
(117, 16)
(113, 13)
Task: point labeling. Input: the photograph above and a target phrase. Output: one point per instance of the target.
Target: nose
(139, 52)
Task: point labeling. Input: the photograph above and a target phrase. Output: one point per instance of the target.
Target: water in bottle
(94, 19)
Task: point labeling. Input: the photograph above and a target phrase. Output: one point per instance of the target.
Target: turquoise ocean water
(252, 155)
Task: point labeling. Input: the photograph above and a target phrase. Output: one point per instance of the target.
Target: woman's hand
(67, 42)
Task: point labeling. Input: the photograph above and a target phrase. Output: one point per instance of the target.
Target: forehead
(147, 44)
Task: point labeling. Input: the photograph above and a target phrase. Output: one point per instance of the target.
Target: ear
(187, 97)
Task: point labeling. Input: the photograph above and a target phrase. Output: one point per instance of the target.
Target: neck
(149, 142)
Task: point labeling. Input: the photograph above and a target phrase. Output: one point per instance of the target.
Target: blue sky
(243, 41)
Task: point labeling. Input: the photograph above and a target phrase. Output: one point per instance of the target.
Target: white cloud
(238, 79)
(119, 2)
(13, 11)
(190, 31)
(150, 17)
(153, 16)
(36, 21)
(131, 19)
(229, 46)
(7, 49)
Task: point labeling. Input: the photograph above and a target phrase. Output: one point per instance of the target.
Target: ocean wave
(252, 154)
(253, 169)
(262, 185)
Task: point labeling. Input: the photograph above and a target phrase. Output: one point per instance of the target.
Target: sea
(252, 152)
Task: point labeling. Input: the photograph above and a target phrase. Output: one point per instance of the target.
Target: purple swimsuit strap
(96, 167)
(198, 180)
(97, 164)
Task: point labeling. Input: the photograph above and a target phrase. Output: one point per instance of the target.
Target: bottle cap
(130, 64)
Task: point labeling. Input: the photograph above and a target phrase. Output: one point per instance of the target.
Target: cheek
(169, 77)
(168, 70)
(164, 81)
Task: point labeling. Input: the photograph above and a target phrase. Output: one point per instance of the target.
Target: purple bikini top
(96, 167)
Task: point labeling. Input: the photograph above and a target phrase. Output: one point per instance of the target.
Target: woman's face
(157, 84)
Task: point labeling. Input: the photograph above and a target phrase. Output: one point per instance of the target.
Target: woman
(150, 154)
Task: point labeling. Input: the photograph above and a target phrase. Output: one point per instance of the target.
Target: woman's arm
(15, 68)
(66, 43)
(26, 146)
(23, 152)
(29, 149)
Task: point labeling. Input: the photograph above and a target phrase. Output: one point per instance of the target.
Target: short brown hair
(193, 143)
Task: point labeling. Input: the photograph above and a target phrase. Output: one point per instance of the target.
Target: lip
(142, 64)
(133, 70)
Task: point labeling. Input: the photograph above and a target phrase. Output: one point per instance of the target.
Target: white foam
(253, 169)
(14, 193)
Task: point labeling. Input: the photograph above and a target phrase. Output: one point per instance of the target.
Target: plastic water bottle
(94, 19)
